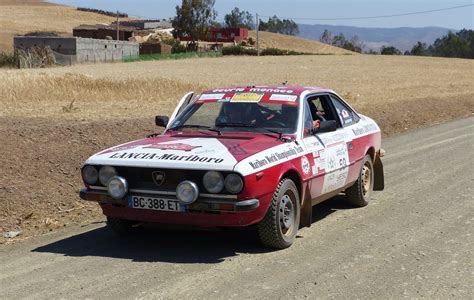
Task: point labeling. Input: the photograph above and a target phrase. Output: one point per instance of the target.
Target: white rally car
(234, 157)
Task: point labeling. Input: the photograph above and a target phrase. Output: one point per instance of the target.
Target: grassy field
(400, 92)
(286, 42)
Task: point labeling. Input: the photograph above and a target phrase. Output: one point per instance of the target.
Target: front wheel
(359, 193)
(279, 226)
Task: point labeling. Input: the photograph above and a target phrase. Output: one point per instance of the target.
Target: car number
(143, 202)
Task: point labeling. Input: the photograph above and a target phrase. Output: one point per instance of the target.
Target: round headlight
(233, 183)
(90, 175)
(105, 174)
(117, 187)
(213, 182)
(187, 192)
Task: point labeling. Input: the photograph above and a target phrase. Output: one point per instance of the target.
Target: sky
(315, 10)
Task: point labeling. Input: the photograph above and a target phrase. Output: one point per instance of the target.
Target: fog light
(117, 187)
(187, 192)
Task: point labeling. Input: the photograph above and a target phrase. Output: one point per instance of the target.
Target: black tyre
(359, 193)
(279, 226)
(121, 226)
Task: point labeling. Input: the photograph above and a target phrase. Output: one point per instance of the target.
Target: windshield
(244, 112)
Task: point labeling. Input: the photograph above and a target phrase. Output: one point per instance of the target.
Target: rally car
(235, 157)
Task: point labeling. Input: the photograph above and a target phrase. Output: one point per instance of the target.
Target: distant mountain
(402, 38)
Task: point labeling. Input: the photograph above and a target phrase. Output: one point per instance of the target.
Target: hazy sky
(455, 19)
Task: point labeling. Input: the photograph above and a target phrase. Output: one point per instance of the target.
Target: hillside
(287, 42)
(403, 38)
(22, 16)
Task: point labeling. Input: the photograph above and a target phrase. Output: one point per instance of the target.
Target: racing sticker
(247, 97)
(284, 98)
(211, 96)
(177, 147)
(305, 166)
(336, 164)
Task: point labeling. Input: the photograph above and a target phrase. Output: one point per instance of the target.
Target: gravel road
(415, 239)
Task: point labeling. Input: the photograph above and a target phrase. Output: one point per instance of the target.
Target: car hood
(181, 151)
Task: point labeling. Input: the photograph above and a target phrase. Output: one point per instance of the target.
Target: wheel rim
(287, 214)
(366, 179)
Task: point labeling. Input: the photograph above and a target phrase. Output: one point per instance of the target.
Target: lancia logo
(158, 177)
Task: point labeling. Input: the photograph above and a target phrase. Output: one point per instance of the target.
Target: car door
(349, 119)
(330, 158)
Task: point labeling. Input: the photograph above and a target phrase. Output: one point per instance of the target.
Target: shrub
(176, 46)
(238, 50)
(279, 52)
(8, 59)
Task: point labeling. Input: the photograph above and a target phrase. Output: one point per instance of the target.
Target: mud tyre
(122, 227)
(280, 225)
(359, 193)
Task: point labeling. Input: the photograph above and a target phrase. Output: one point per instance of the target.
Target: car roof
(296, 90)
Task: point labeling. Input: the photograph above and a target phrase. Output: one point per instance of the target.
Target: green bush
(238, 50)
(8, 59)
(279, 52)
(176, 46)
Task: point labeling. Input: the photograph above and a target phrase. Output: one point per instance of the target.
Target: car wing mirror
(325, 126)
(161, 121)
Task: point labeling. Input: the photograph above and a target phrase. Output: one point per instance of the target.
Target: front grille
(141, 178)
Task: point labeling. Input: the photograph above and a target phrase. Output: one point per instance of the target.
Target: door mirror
(326, 126)
(161, 121)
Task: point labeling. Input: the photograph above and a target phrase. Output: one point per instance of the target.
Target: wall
(93, 50)
(63, 45)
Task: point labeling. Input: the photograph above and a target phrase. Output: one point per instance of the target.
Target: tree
(390, 50)
(326, 37)
(339, 40)
(458, 44)
(193, 19)
(419, 49)
(238, 18)
(276, 25)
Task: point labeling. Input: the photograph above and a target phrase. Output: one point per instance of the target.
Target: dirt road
(413, 240)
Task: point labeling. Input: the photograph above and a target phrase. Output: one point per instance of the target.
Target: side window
(345, 114)
(308, 120)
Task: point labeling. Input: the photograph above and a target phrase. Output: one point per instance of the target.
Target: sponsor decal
(120, 148)
(275, 157)
(177, 147)
(287, 98)
(305, 166)
(158, 177)
(247, 97)
(231, 90)
(167, 157)
(319, 162)
(211, 96)
(267, 90)
(234, 148)
(364, 129)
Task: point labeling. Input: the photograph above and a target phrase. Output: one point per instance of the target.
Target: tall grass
(9, 60)
(173, 56)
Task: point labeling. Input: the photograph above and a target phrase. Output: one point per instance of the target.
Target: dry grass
(286, 42)
(401, 92)
(22, 16)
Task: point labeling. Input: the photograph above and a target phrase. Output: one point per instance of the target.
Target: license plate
(143, 202)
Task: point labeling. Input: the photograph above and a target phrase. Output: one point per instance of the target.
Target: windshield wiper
(245, 125)
(197, 126)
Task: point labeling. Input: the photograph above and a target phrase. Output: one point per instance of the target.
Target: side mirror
(161, 121)
(326, 126)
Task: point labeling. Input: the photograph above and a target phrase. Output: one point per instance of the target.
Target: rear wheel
(122, 226)
(279, 226)
(359, 193)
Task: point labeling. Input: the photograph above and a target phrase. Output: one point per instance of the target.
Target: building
(72, 50)
(102, 32)
(146, 24)
(228, 35)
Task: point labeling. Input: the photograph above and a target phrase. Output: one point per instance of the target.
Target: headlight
(213, 182)
(233, 183)
(105, 174)
(117, 187)
(90, 175)
(187, 192)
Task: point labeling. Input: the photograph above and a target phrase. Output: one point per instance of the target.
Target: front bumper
(201, 205)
